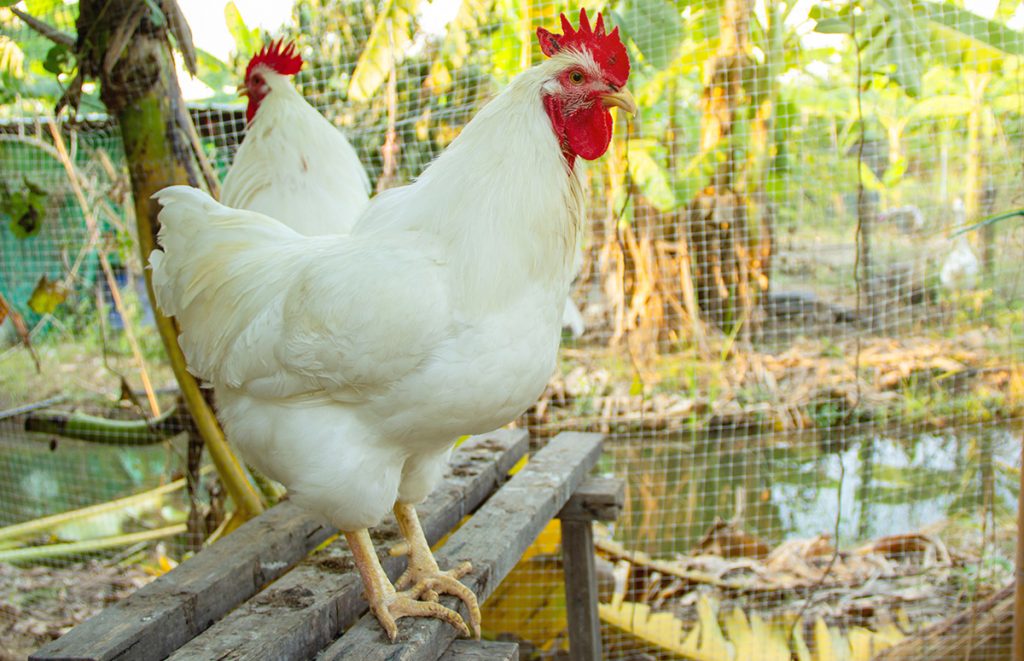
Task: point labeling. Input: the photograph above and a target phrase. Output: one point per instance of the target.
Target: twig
(182, 34)
(108, 272)
(22, 329)
(45, 29)
(858, 277)
(212, 181)
(122, 35)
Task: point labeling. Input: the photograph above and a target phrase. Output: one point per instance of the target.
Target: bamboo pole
(36, 526)
(89, 545)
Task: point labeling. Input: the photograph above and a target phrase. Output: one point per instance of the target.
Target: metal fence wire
(808, 365)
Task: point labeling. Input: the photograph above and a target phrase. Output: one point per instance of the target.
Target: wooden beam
(481, 650)
(493, 539)
(581, 590)
(308, 607)
(597, 499)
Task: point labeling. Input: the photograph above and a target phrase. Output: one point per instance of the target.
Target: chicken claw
(405, 604)
(389, 605)
(423, 574)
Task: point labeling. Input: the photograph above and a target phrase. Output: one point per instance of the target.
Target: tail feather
(220, 271)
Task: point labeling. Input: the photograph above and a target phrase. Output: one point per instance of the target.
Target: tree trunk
(127, 51)
(729, 249)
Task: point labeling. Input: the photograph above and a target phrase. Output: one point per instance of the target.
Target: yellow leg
(387, 604)
(423, 574)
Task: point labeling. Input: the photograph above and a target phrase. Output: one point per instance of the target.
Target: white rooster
(293, 165)
(345, 366)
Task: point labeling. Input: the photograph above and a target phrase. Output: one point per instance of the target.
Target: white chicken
(960, 268)
(293, 165)
(346, 365)
(296, 167)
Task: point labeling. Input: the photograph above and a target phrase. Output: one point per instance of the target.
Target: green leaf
(945, 105)
(25, 207)
(655, 27)
(975, 31)
(650, 176)
(247, 41)
(12, 59)
(213, 72)
(833, 25)
(8, 3)
(58, 60)
(42, 8)
(1009, 103)
(47, 295)
(894, 173)
(390, 36)
(819, 12)
(907, 68)
(871, 182)
(156, 15)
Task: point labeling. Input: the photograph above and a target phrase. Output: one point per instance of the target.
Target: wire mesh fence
(810, 375)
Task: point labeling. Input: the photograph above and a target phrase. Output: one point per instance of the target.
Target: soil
(40, 604)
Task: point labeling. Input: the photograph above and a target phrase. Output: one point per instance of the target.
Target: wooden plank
(597, 499)
(581, 590)
(308, 607)
(486, 650)
(493, 539)
(160, 617)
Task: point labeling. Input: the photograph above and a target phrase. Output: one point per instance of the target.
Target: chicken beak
(621, 99)
(242, 90)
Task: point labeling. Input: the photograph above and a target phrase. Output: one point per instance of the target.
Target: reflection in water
(785, 487)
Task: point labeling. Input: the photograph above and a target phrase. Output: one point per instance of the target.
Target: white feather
(296, 166)
(960, 268)
(346, 365)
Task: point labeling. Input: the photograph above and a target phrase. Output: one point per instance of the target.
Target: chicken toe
(423, 575)
(387, 604)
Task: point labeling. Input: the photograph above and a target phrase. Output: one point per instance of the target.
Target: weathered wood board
(162, 616)
(172, 610)
(308, 607)
(494, 540)
(485, 650)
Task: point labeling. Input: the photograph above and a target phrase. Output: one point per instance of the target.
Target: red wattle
(589, 132)
(586, 133)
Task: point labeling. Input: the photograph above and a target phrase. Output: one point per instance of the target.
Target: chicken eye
(576, 77)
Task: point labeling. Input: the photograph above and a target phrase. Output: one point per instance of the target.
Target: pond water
(778, 486)
(783, 487)
(41, 474)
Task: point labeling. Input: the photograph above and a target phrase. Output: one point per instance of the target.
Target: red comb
(606, 49)
(278, 57)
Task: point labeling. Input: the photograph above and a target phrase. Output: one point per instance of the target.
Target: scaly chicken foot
(387, 604)
(423, 573)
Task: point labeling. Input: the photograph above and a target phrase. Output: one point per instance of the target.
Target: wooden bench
(259, 594)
